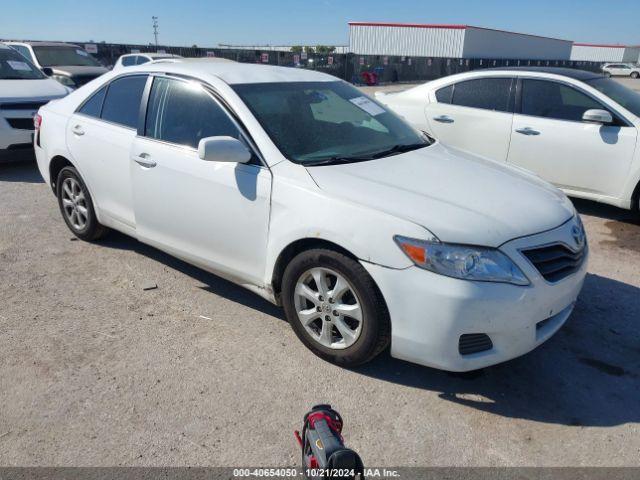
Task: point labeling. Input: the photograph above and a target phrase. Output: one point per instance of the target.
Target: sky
(321, 22)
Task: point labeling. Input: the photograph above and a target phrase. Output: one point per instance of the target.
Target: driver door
(213, 214)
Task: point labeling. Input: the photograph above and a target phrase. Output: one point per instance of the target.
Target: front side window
(184, 113)
(122, 101)
(14, 66)
(64, 56)
(485, 93)
(620, 94)
(541, 98)
(327, 122)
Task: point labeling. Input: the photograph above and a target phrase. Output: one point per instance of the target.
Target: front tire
(76, 206)
(335, 308)
(635, 74)
(607, 74)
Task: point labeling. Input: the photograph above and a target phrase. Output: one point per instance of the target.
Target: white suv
(23, 89)
(300, 188)
(621, 70)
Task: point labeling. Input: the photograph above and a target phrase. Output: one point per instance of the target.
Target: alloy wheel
(328, 308)
(74, 204)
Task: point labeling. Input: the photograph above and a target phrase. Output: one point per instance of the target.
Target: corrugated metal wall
(631, 54)
(487, 43)
(594, 53)
(406, 41)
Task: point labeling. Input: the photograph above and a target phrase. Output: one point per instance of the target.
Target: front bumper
(429, 312)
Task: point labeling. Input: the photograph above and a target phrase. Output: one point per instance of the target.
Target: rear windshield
(620, 94)
(13, 66)
(64, 56)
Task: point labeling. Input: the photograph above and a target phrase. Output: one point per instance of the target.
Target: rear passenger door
(99, 136)
(474, 115)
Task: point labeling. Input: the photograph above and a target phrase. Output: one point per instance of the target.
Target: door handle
(527, 131)
(444, 119)
(78, 130)
(144, 160)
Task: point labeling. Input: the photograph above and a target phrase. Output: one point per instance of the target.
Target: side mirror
(597, 116)
(48, 71)
(223, 149)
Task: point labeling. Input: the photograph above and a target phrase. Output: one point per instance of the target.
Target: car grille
(21, 123)
(555, 262)
(22, 105)
(473, 343)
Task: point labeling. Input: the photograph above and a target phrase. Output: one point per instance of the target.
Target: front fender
(301, 210)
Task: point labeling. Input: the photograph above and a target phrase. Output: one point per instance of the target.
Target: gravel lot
(96, 371)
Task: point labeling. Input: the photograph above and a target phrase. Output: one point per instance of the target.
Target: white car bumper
(430, 312)
(16, 134)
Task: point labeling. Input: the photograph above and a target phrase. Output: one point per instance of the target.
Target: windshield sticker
(82, 52)
(367, 105)
(20, 66)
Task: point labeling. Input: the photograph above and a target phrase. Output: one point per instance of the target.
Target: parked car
(621, 69)
(23, 89)
(131, 59)
(575, 129)
(300, 188)
(69, 64)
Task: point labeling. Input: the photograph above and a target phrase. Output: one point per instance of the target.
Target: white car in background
(621, 70)
(297, 186)
(131, 59)
(575, 129)
(23, 90)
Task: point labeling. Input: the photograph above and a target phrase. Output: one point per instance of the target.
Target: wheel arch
(635, 198)
(56, 164)
(296, 247)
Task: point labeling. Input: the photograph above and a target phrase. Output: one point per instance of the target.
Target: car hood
(45, 88)
(80, 71)
(459, 197)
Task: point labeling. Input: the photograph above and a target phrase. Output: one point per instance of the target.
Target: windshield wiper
(338, 160)
(400, 148)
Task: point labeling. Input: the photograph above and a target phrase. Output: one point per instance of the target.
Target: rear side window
(542, 98)
(128, 61)
(93, 106)
(485, 93)
(141, 60)
(122, 102)
(444, 94)
(183, 113)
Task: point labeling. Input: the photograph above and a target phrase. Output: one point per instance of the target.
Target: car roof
(235, 73)
(48, 44)
(576, 74)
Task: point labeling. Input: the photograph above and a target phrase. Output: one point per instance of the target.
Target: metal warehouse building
(452, 41)
(604, 53)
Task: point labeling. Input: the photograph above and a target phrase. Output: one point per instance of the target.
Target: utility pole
(155, 29)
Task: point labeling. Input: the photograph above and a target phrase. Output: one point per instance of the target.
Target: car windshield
(327, 122)
(64, 56)
(618, 93)
(13, 66)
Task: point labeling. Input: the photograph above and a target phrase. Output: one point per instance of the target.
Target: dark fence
(351, 67)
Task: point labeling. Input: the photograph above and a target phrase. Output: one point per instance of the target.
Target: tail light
(37, 121)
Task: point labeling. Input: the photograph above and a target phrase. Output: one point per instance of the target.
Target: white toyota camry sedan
(576, 129)
(300, 188)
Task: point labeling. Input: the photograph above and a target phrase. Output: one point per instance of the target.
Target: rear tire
(635, 74)
(348, 330)
(76, 206)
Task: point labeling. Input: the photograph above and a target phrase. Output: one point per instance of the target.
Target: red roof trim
(599, 45)
(411, 25)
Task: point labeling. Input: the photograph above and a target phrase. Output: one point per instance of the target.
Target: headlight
(64, 80)
(462, 261)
